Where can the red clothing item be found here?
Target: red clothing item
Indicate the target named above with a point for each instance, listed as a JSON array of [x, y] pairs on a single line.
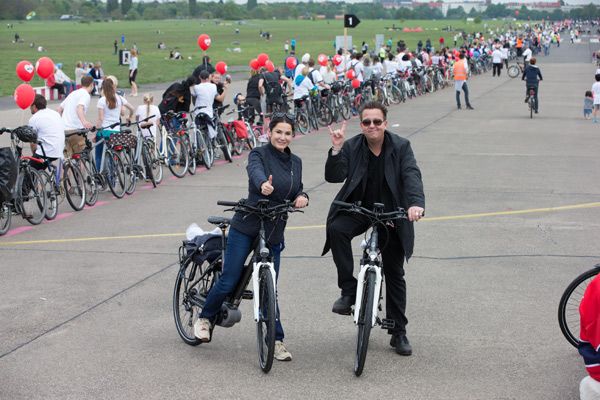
[[51, 81], [589, 336]]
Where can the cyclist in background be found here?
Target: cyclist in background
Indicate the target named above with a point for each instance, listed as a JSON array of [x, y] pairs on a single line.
[[532, 76], [274, 173]]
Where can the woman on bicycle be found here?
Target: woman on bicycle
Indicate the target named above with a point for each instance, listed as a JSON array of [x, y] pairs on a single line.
[[274, 173]]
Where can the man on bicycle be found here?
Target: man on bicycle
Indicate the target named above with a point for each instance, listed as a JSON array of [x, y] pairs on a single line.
[[376, 167], [50, 131], [531, 73]]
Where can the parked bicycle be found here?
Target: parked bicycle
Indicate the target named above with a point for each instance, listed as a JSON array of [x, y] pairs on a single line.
[[568, 307], [370, 278], [200, 268]]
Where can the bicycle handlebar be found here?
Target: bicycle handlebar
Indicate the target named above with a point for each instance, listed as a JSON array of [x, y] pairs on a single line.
[[400, 213], [261, 209]]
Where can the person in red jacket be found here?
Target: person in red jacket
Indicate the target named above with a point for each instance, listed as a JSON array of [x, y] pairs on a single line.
[[589, 340]]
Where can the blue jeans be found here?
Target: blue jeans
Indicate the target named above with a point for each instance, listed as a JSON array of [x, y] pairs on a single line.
[[69, 87], [100, 147], [466, 90], [239, 247]]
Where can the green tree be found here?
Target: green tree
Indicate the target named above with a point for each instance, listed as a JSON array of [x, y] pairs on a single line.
[[132, 15], [456, 13], [111, 5], [477, 20], [251, 5], [125, 6], [193, 8]]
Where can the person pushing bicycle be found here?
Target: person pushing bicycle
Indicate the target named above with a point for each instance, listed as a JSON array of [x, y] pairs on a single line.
[[274, 173], [377, 166]]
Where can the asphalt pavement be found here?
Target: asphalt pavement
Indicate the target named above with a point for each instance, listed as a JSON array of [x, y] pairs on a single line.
[[512, 214]]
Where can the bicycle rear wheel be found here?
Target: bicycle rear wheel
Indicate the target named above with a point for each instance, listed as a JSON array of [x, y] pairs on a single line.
[[51, 196], [157, 169], [33, 199], [513, 71], [224, 143], [117, 180], [568, 307], [148, 164], [364, 323], [530, 102], [265, 327], [302, 122], [178, 159], [128, 164], [89, 178], [74, 187], [193, 281], [5, 218], [192, 163]]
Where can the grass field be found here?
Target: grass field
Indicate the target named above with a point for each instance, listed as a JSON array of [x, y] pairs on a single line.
[[69, 42]]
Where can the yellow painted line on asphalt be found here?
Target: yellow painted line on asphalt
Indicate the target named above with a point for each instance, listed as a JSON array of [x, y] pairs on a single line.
[[549, 209]]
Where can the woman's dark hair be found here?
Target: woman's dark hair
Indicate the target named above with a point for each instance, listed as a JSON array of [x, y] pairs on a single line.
[[286, 118], [587, 94]]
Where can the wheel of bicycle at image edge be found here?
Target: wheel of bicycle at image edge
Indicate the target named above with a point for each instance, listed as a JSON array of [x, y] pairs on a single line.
[[265, 326], [364, 323], [74, 188], [51, 196], [568, 307], [5, 218], [178, 161], [32, 201], [513, 71], [190, 282]]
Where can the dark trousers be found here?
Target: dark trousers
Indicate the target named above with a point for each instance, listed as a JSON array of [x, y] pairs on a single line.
[[497, 69], [342, 230], [465, 89], [255, 103]]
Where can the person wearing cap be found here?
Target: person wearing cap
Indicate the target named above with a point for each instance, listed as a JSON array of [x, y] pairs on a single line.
[[68, 83], [206, 93]]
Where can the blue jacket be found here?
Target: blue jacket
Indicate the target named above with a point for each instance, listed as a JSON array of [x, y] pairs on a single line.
[[286, 169], [532, 72]]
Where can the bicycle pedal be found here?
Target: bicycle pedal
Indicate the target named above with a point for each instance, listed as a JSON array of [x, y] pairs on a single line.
[[248, 295], [388, 324]]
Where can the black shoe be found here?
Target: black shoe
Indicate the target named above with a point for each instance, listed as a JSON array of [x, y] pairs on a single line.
[[401, 344], [343, 305], [470, 108], [459, 107], [536, 111]]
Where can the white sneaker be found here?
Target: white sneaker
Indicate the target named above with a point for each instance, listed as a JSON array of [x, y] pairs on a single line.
[[202, 329], [281, 353]]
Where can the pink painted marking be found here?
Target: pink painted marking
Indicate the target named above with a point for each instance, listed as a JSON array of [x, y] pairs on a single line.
[[62, 216], [98, 204], [18, 230]]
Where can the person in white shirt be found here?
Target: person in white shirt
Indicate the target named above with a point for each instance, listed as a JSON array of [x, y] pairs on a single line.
[[405, 65], [596, 94], [303, 85], [496, 61], [133, 67], [391, 66], [146, 110], [358, 67], [50, 131], [328, 73], [73, 110], [110, 108], [377, 67], [527, 54], [80, 71], [315, 76], [206, 93], [340, 69]]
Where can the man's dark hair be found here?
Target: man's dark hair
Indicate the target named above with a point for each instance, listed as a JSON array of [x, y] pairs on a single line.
[[371, 105], [597, 77], [40, 102], [204, 74], [405, 57], [205, 60], [311, 62], [86, 81]]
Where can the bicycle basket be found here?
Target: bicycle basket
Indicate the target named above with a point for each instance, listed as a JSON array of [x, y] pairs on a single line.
[[26, 134]]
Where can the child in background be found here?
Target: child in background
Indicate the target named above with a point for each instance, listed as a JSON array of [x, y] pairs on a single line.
[[588, 104], [146, 110]]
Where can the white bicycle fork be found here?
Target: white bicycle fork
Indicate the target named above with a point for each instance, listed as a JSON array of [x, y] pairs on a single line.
[[359, 291], [256, 284]]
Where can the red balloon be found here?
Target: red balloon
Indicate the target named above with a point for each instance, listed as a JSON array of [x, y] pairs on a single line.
[[221, 67], [24, 95], [270, 66], [355, 83], [291, 62], [44, 67], [254, 64], [322, 59], [516, 12], [262, 59], [204, 41], [25, 70], [351, 74], [337, 59]]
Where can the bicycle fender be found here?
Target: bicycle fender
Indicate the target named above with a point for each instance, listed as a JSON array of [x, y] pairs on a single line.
[[256, 287]]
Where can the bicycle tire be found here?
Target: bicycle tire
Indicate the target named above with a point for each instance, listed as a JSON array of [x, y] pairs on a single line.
[[192, 155], [117, 181], [206, 149], [74, 188], [265, 327], [5, 218], [346, 109], [33, 205], [513, 71], [51, 196], [188, 284], [568, 307], [530, 102], [364, 323], [302, 123], [178, 161], [128, 164], [251, 138], [224, 144], [92, 189], [148, 164], [396, 95], [157, 169], [325, 117], [428, 84], [238, 144]]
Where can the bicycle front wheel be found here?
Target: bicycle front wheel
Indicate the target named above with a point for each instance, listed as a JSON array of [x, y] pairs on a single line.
[[117, 179], [51, 196], [364, 323], [193, 281], [33, 196], [5, 218], [148, 164], [178, 156], [92, 190], [74, 188], [513, 71], [302, 122], [265, 327], [568, 307]]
